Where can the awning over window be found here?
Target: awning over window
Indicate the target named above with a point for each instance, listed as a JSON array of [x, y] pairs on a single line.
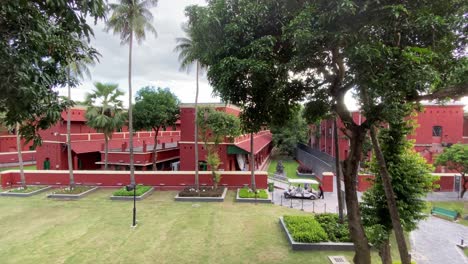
[[260, 142]]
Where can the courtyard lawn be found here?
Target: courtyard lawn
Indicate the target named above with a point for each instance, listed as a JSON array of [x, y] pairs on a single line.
[[290, 168], [97, 230], [459, 206], [29, 167]]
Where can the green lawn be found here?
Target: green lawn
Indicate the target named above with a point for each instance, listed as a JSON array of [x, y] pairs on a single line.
[[459, 206], [290, 168], [29, 167], [97, 230]]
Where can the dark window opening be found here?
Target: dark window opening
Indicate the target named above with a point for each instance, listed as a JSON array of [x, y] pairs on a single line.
[[436, 131]]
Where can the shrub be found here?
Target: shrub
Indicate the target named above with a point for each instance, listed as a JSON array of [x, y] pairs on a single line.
[[248, 193], [304, 169], [336, 232], [140, 190], [305, 229]]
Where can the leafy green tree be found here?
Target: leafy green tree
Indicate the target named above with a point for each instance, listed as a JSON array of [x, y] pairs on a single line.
[[456, 158], [104, 112], [287, 136], [131, 19], [187, 56], [76, 69], [37, 39], [263, 55], [155, 109], [410, 180], [215, 126]]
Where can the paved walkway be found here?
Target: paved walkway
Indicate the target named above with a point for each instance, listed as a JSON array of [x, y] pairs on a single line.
[[435, 242]]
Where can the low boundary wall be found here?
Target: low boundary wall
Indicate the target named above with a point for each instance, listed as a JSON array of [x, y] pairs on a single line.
[[230, 179]]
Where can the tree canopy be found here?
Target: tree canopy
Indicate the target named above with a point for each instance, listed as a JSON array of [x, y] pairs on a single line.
[[268, 55], [155, 109], [286, 136], [38, 39]]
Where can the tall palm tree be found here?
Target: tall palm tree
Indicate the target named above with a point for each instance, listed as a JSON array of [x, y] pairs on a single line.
[[108, 117], [187, 56], [76, 69], [131, 18]]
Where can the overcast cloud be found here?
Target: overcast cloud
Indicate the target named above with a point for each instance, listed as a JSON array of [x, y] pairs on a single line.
[[154, 61]]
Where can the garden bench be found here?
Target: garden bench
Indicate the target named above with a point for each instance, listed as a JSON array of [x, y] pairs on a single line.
[[444, 212]]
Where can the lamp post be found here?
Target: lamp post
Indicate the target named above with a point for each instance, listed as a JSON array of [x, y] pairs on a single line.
[[131, 187]]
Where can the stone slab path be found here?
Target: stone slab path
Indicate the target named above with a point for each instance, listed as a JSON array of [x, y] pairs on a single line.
[[435, 242]]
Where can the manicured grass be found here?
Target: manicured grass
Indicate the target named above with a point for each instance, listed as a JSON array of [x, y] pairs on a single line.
[[290, 167], [247, 193], [97, 230], [459, 206], [30, 167], [140, 190], [27, 190]]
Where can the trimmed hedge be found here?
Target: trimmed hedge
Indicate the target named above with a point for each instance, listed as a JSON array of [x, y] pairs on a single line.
[[336, 232], [140, 190], [305, 229], [247, 193]]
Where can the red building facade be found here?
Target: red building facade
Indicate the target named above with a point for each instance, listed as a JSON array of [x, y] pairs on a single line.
[[233, 153], [437, 126]]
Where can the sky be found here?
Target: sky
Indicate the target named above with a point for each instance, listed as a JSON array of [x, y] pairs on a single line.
[[154, 61]]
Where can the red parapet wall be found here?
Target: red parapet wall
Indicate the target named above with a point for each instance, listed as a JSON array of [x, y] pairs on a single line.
[[327, 181], [12, 157], [365, 182], [119, 178]]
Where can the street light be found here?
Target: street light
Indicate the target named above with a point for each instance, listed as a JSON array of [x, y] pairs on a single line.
[[131, 187]]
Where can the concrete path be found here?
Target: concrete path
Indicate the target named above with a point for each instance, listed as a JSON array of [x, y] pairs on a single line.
[[435, 242]]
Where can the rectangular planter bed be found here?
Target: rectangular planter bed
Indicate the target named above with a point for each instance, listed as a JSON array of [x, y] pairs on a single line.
[[201, 199], [71, 196], [252, 200], [13, 194], [130, 198], [338, 246]]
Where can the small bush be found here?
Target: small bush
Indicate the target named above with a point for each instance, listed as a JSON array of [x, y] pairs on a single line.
[[248, 193], [336, 232], [304, 169], [305, 229], [140, 190], [207, 191]]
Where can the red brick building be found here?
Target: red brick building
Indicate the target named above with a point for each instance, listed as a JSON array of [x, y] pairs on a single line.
[[233, 153], [438, 126]]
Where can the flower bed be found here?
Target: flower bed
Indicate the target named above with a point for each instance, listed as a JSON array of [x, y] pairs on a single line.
[[140, 190], [248, 193], [25, 192], [75, 193], [123, 195], [320, 233], [28, 189], [204, 194]]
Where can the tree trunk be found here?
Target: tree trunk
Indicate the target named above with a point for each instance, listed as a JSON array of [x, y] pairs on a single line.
[[155, 152], [350, 171], [385, 253], [106, 151], [130, 113], [69, 151], [20, 156], [252, 163], [197, 183], [338, 172], [464, 182], [391, 201]]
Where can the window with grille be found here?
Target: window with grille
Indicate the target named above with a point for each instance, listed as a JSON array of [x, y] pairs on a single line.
[[436, 131]]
